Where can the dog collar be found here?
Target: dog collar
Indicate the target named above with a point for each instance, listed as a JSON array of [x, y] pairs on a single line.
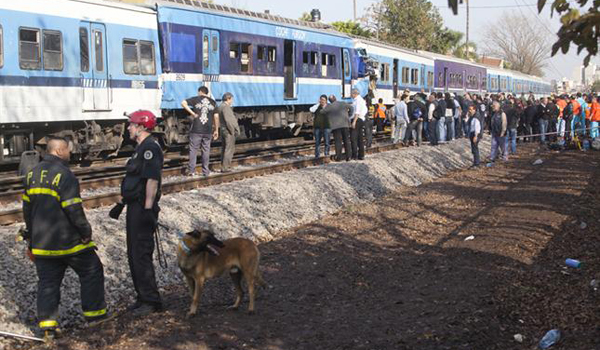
[[184, 246]]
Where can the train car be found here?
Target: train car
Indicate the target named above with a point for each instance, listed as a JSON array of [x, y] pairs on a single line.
[[456, 75], [398, 69], [72, 68], [276, 68]]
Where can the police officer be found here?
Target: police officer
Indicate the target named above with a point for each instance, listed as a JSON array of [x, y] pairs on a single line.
[[140, 190], [60, 236]]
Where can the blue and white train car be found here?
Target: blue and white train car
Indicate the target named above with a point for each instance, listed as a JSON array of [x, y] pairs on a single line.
[[275, 68], [72, 68], [398, 69]]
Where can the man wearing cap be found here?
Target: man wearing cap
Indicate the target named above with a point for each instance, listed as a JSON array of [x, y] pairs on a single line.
[[140, 191]]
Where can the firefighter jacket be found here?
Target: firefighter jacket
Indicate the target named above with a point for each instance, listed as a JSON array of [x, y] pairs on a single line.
[[53, 211], [145, 163]]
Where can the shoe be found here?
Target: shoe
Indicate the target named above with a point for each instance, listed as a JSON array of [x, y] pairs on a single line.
[[103, 319], [52, 334], [135, 305], [146, 309], [226, 171]]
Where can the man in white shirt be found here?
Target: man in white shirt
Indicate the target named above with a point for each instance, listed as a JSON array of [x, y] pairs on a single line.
[[401, 117], [432, 126], [357, 125]]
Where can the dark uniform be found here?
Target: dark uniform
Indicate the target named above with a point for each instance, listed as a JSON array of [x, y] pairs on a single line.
[[56, 226], [146, 163]]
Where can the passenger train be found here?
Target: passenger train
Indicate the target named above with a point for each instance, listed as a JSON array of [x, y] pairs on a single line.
[[73, 68]]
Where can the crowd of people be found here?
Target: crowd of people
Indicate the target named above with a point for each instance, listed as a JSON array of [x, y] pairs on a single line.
[[442, 117]]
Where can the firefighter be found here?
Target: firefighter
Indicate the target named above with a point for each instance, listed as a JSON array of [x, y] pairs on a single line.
[[59, 236], [380, 115], [140, 191]]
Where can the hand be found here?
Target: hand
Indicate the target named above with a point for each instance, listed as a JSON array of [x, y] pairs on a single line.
[[474, 138], [149, 218], [115, 212], [86, 240], [29, 255], [215, 135]]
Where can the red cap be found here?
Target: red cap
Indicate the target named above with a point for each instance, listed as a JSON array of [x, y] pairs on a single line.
[[144, 118]]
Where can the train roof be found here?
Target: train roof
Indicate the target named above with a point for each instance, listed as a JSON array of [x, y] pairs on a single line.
[[205, 6], [451, 58], [389, 46]]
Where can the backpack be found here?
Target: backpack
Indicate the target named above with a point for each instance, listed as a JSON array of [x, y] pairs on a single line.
[[440, 110], [417, 113]]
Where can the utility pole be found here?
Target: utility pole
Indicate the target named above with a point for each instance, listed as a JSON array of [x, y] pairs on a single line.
[[467, 34], [354, 10]]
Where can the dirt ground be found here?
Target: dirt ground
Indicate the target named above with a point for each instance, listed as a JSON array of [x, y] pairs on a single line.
[[398, 273]]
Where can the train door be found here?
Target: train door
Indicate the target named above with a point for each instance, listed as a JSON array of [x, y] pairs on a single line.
[[346, 74], [445, 79], [100, 67], [211, 64], [290, 83], [87, 76], [422, 76], [395, 78]]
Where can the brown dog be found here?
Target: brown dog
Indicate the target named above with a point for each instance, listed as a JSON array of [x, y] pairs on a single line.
[[200, 256]]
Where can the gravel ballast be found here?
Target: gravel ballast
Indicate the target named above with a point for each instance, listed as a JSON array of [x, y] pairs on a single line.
[[256, 208]]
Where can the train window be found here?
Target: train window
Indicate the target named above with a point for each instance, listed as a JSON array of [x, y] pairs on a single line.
[[29, 48], [84, 50], [234, 50], [331, 61], [346, 64], [246, 58], [314, 58], [53, 58], [414, 76], [405, 75], [272, 53], [130, 57], [205, 52], [260, 53], [1, 49], [305, 55], [215, 43], [147, 61], [99, 50], [324, 58], [429, 79]]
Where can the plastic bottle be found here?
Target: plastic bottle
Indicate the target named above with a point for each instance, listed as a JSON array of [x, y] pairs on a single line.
[[552, 337], [573, 263]]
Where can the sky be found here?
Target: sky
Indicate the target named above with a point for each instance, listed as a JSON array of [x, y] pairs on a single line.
[[482, 13]]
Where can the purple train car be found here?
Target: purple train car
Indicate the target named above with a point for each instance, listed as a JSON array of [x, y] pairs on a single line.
[[458, 76]]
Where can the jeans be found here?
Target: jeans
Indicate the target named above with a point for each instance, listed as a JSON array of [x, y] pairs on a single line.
[[594, 131], [528, 132], [357, 135], [449, 128], [432, 129], [415, 130], [441, 130], [340, 135], [543, 130], [498, 141], [202, 142], [475, 150], [578, 124], [426, 130], [560, 127], [399, 131], [318, 134], [512, 139]]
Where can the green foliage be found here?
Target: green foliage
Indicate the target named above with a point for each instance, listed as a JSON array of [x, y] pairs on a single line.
[[414, 24], [305, 17], [461, 51], [351, 27], [583, 30]]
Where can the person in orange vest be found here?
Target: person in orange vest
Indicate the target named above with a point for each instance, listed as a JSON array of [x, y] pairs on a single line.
[[576, 113], [595, 117], [561, 125], [380, 115]]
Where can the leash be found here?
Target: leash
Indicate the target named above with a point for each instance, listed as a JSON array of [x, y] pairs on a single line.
[[162, 260]]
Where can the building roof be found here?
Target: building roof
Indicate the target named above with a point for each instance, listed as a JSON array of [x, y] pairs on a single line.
[[491, 61]]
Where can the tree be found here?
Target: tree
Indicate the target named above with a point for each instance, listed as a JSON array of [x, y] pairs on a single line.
[[582, 30], [519, 41], [306, 17], [447, 41], [414, 24], [351, 27], [467, 53]]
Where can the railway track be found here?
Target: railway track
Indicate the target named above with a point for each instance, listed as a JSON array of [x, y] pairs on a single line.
[[114, 178]]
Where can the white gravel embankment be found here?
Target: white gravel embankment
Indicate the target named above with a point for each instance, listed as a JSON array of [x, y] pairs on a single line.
[[255, 208]]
